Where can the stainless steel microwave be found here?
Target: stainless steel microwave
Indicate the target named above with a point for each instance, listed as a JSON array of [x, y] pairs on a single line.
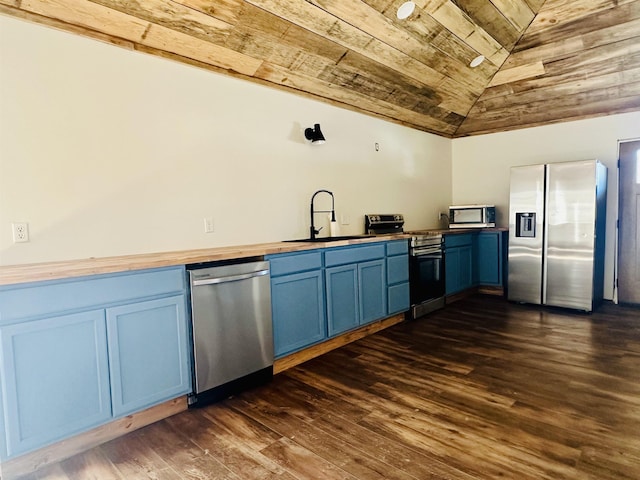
[[472, 216]]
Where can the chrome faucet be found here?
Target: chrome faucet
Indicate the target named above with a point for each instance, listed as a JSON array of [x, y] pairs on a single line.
[[312, 230]]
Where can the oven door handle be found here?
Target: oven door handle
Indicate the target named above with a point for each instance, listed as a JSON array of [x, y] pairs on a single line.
[[421, 252]]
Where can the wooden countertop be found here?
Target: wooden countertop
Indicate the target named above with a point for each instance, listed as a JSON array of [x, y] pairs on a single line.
[[12, 274], [33, 272]]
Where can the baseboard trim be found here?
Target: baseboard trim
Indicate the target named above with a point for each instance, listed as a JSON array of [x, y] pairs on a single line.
[[302, 356], [32, 461], [482, 289]]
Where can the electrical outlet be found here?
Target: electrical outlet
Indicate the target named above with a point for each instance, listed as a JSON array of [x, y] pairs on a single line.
[[345, 219], [208, 225], [20, 232]]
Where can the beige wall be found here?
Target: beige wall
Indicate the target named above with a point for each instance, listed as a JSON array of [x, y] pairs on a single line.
[[481, 164], [104, 151]]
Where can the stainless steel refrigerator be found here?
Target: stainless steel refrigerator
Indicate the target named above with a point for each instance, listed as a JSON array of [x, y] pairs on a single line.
[[556, 234]]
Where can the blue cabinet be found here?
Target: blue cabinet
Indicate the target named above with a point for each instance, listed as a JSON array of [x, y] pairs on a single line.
[[55, 379], [322, 293], [297, 301], [147, 347], [488, 256], [372, 290], [473, 259], [458, 262], [77, 353], [342, 298], [397, 277], [356, 286]]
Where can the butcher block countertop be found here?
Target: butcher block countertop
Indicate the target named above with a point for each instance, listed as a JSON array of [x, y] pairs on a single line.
[[33, 272], [12, 274]]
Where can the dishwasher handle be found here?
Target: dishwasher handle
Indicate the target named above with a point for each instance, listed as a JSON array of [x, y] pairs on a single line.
[[229, 278]]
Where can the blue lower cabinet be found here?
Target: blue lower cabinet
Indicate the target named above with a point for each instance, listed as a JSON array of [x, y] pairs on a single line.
[[148, 352], [55, 379], [76, 353], [297, 307], [473, 259], [488, 258], [372, 293], [398, 300], [342, 298], [458, 269]]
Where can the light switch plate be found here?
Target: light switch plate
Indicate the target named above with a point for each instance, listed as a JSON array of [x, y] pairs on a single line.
[[208, 225]]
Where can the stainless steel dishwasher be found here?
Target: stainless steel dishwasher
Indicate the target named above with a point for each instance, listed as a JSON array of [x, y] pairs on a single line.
[[231, 329]]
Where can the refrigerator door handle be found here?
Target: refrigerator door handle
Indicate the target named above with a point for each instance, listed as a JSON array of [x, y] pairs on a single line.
[[545, 235]]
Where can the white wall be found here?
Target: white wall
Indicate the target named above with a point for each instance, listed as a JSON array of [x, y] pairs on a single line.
[[481, 164], [105, 151]]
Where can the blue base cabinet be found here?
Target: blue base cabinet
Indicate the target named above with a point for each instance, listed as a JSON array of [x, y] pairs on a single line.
[[356, 286], [55, 378], [398, 277], [372, 291], [489, 256], [297, 301], [458, 262], [342, 298], [322, 293], [77, 353], [297, 304], [473, 259], [147, 372]]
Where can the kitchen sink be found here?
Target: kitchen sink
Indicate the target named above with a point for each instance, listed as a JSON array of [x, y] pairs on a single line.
[[330, 239]]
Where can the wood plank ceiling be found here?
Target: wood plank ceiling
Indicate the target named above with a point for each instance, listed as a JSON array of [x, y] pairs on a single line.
[[545, 62]]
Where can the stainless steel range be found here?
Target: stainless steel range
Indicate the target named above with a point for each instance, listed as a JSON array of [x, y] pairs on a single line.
[[383, 223], [426, 262], [426, 274]]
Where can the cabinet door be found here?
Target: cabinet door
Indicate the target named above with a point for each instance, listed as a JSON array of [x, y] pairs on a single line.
[[398, 298], [458, 269], [55, 378], [297, 307], [342, 298], [452, 270], [148, 353], [466, 267], [488, 259], [372, 293]]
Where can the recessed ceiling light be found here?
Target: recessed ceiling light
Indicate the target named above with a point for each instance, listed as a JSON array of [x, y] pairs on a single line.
[[476, 61], [405, 10]]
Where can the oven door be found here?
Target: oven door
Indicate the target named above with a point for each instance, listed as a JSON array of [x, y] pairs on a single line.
[[426, 275]]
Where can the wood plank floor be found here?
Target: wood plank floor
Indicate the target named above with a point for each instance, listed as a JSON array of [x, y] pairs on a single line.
[[483, 389]]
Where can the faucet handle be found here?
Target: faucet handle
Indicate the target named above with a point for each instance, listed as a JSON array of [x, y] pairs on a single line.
[[317, 230]]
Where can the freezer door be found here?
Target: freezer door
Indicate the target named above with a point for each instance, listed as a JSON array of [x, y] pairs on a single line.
[[570, 235], [526, 210]]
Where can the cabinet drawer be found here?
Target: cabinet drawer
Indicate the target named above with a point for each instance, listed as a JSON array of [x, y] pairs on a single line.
[[397, 269], [458, 240], [27, 301], [293, 263], [398, 247], [341, 256]]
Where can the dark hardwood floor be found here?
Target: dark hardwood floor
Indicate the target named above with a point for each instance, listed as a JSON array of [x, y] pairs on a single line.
[[483, 389]]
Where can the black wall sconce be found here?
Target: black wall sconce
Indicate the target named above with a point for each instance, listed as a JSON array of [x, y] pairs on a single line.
[[314, 134]]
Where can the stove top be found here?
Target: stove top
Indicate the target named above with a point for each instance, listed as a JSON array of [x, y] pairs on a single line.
[[383, 223]]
